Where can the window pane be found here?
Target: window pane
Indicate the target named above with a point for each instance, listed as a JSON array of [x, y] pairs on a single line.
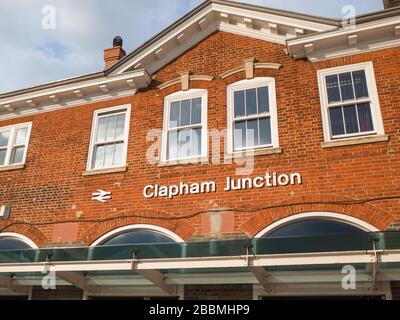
[[185, 113], [365, 117], [195, 142], [332, 87], [184, 143], [240, 134], [265, 131], [350, 118], [119, 152], [196, 111], [2, 157], [346, 86], [21, 136], [239, 104], [174, 114], [109, 157], [111, 125], [119, 133], [4, 136], [173, 145], [17, 155], [263, 100], [360, 84], [99, 157], [101, 129], [252, 133], [251, 102], [336, 118]]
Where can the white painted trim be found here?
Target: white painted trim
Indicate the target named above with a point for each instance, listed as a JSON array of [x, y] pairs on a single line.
[[317, 215], [66, 105], [251, 33], [220, 262], [373, 97], [346, 51], [149, 227], [18, 236], [11, 143], [179, 96], [96, 115], [341, 32], [78, 85], [216, 24], [250, 84], [271, 18]]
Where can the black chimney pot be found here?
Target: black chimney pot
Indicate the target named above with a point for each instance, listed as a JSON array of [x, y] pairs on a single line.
[[117, 42]]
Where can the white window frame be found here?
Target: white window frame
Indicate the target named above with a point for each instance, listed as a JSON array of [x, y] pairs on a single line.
[[179, 96], [373, 99], [273, 115], [13, 131], [95, 122]]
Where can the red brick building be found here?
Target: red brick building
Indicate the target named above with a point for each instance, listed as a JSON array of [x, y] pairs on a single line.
[[245, 152]]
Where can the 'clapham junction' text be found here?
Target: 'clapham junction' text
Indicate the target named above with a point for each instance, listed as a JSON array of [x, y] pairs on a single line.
[[269, 180]]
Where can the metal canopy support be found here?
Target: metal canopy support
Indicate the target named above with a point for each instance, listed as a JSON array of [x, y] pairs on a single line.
[[74, 278], [8, 283], [263, 277], [159, 280]]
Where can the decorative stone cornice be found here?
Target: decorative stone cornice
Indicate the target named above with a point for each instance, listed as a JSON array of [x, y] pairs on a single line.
[[71, 92]]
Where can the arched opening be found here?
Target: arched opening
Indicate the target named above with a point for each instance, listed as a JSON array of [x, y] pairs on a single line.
[[315, 232], [137, 234], [144, 242], [313, 227], [14, 241], [315, 223]]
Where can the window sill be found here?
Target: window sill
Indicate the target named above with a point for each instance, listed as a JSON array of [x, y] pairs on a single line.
[[253, 153], [354, 141], [105, 171], [12, 167], [196, 160]]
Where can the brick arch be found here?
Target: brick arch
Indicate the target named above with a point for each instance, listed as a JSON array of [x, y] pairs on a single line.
[[31, 232], [96, 230], [366, 212]]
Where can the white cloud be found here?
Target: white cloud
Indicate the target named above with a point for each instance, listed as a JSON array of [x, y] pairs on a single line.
[[31, 55]]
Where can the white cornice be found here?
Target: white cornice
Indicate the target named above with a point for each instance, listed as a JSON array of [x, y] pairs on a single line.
[[61, 96], [273, 18], [224, 17], [348, 31], [369, 36], [345, 51]]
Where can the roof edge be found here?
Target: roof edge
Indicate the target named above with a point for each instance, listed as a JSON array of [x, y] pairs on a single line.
[[205, 4]]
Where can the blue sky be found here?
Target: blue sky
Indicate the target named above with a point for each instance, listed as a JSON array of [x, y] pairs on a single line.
[[32, 55]]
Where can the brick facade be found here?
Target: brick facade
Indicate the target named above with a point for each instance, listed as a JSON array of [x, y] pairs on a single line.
[[52, 189]]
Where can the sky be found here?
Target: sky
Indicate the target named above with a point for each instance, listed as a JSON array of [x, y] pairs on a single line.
[[47, 40]]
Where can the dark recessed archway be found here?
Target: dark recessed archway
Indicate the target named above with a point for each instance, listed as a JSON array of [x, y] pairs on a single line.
[[313, 227]]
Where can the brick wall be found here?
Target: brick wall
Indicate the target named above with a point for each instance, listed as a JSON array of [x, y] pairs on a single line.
[[52, 188]]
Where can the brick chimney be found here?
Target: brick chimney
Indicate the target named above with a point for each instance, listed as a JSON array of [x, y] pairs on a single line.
[[112, 55], [387, 4]]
